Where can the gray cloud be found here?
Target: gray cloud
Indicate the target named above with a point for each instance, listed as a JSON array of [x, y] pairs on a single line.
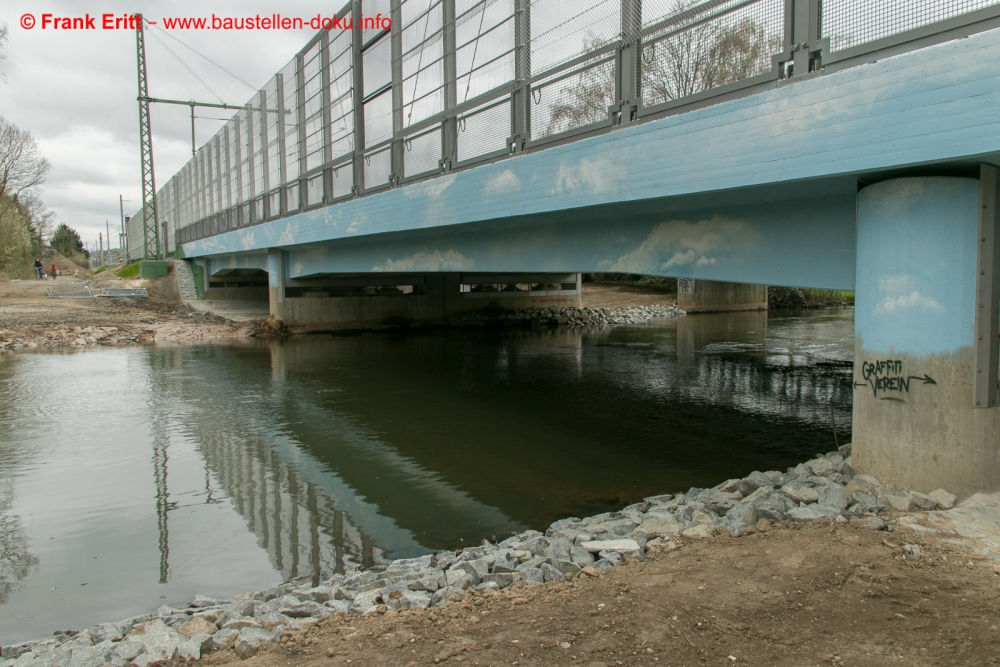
[[76, 91]]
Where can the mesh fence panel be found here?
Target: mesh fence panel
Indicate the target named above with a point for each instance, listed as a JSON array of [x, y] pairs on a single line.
[[849, 23], [572, 102], [343, 181], [564, 29], [314, 190], [483, 131], [422, 60], [484, 47], [692, 47], [378, 167], [422, 153], [341, 95], [378, 119]]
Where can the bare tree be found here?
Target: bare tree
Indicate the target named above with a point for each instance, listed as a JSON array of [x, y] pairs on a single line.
[[701, 57], [705, 56], [3, 56], [22, 168]]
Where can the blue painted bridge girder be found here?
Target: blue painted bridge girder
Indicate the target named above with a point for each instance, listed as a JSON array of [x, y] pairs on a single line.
[[761, 189]]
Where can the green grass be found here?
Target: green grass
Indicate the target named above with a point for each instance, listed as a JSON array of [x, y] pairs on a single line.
[[94, 273], [128, 271]]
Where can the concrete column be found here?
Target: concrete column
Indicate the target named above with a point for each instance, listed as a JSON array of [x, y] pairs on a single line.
[[276, 283], [915, 423], [710, 296]]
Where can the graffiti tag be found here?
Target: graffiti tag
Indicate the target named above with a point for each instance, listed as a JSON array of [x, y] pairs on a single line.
[[887, 379]]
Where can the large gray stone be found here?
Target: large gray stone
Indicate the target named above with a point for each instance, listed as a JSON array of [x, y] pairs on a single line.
[[800, 493], [407, 599], [740, 517], [249, 641], [550, 573], [621, 546], [820, 467], [531, 575], [833, 496], [719, 502], [659, 526], [129, 649], [754, 481], [224, 639], [944, 499], [189, 650], [160, 645], [923, 501], [807, 513], [89, 657]]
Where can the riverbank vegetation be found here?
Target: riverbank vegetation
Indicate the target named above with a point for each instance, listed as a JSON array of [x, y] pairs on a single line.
[[23, 217]]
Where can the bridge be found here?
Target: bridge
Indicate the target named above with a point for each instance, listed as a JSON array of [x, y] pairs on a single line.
[[488, 152]]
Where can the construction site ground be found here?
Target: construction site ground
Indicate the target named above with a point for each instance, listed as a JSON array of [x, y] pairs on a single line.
[[819, 593]]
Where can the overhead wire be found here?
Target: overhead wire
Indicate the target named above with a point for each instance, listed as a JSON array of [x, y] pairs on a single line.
[[191, 48], [185, 66]]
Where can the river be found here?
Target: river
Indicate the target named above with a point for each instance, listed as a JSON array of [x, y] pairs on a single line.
[[138, 476]]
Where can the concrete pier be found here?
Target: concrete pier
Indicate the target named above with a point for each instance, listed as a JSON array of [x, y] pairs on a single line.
[[712, 296], [916, 423]]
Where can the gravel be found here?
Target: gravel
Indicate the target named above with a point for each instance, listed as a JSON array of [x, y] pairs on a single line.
[[824, 488]]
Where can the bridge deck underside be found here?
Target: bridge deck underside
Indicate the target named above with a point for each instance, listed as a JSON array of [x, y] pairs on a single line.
[[760, 189]]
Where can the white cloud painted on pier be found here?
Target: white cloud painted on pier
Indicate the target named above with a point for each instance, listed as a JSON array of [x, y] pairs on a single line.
[[424, 261], [679, 243], [900, 292]]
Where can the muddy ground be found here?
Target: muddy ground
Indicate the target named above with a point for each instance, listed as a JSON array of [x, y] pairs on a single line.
[[794, 594], [29, 318]]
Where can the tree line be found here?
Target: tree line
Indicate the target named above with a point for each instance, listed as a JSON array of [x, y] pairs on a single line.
[[24, 221]]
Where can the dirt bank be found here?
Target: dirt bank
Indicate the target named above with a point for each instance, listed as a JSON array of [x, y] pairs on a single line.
[[30, 319], [796, 594]]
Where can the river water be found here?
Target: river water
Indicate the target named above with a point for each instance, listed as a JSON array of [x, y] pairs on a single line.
[[135, 477]]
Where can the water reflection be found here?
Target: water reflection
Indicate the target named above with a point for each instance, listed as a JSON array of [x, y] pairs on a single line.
[[217, 470]]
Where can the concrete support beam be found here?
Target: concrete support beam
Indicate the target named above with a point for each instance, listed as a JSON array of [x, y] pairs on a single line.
[[915, 420], [710, 296]]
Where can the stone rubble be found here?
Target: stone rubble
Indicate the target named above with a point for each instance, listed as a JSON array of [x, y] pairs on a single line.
[[824, 488], [66, 336], [574, 317]]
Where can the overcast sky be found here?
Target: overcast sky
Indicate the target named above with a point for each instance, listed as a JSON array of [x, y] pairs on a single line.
[[76, 91]]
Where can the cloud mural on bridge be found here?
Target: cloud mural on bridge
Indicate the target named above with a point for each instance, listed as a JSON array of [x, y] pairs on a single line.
[[594, 177], [503, 184], [678, 246], [902, 292], [448, 260], [431, 189], [248, 241], [287, 237]]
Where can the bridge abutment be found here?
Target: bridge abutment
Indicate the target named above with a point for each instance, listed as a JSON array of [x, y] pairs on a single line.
[[915, 419], [713, 296]]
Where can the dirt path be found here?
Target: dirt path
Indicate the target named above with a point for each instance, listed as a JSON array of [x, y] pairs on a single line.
[[611, 295], [796, 594]]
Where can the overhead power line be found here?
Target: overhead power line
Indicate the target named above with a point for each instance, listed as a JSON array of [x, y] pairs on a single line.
[[185, 66], [191, 48]]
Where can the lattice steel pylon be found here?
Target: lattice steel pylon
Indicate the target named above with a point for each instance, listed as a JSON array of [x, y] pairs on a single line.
[[150, 221]]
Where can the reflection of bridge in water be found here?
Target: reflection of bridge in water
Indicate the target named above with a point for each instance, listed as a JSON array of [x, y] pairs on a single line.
[[295, 522], [339, 452]]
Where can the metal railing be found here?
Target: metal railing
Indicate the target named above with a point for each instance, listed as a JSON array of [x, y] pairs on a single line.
[[455, 83]]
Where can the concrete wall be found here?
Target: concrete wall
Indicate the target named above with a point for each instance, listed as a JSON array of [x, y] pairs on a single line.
[[914, 420], [709, 296]]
